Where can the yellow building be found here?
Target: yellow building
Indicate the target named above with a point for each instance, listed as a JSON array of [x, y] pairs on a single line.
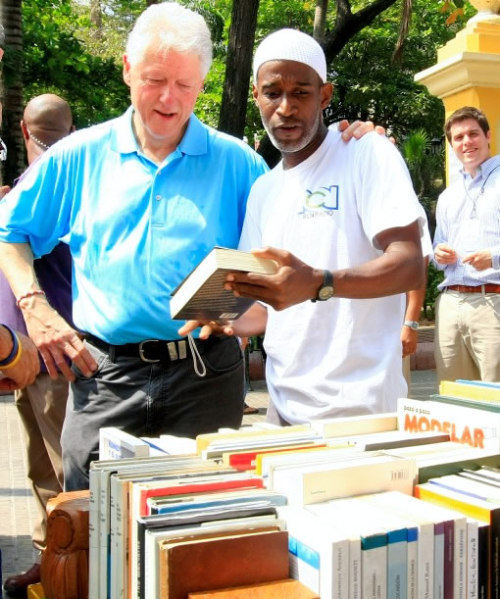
[[468, 69]]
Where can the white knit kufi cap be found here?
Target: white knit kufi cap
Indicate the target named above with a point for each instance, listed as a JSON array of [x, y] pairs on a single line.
[[290, 44]]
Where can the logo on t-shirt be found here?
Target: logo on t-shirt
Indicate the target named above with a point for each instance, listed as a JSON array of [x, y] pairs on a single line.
[[323, 201]]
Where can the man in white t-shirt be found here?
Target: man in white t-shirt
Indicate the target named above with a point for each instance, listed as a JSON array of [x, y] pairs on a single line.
[[349, 225]]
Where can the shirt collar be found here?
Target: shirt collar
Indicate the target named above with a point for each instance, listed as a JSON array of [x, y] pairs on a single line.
[[194, 141], [483, 170]]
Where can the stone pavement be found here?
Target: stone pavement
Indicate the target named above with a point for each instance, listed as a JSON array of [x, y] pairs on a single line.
[[17, 507]]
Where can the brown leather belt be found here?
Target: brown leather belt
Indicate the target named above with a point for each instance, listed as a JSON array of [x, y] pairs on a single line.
[[489, 288]]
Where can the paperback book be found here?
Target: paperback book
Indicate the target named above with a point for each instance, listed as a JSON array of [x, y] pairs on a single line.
[[202, 295]]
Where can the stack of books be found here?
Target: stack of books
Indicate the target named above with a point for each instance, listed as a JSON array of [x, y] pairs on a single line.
[[340, 506], [146, 513], [476, 495]]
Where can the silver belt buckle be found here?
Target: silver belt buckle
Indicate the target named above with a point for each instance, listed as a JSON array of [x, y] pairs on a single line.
[[141, 350]]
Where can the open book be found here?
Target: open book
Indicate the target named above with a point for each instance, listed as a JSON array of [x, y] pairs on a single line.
[[202, 295]]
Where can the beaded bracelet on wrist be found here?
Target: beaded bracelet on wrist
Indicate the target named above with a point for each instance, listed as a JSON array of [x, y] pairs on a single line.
[[29, 294]]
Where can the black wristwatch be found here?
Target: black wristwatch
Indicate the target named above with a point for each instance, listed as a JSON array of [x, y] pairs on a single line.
[[326, 291]]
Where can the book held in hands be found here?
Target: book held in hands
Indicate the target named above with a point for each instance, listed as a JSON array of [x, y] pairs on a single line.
[[201, 296]]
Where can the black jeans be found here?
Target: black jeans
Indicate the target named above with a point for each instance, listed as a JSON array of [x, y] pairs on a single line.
[[150, 399]]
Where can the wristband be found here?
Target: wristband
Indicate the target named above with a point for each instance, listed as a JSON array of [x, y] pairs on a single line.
[[29, 294], [413, 324], [15, 352]]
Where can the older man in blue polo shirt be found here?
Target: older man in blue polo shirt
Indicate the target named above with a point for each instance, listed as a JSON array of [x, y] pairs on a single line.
[[140, 200]]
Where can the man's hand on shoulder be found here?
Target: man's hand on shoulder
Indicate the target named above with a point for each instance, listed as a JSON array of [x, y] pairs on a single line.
[[357, 129]]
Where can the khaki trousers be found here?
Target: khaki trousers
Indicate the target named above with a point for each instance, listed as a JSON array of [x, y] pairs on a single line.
[[467, 337], [42, 407]]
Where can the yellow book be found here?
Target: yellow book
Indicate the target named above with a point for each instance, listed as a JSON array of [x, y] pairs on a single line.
[[35, 591], [204, 440], [261, 458], [473, 507], [471, 390]]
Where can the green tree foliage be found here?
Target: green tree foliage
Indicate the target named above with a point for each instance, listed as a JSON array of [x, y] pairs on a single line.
[[64, 53], [371, 84], [56, 60]]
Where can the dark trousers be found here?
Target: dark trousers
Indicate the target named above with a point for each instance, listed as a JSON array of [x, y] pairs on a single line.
[[149, 399]]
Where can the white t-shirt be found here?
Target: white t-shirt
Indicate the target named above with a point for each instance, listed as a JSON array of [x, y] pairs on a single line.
[[343, 356]]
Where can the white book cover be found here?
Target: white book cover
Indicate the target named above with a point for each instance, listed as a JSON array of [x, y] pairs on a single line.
[[397, 548], [473, 427], [309, 532], [355, 425], [373, 541], [171, 445], [117, 444], [367, 474], [411, 539], [414, 510], [460, 559], [472, 559], [94, 532], [272, 461]]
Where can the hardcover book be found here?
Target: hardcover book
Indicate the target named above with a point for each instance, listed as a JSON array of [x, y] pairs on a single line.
[[202, 295], [289, 588], [195, 565], [230, 521]]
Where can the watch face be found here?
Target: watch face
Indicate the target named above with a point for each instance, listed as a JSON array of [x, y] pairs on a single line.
[[325, 293]]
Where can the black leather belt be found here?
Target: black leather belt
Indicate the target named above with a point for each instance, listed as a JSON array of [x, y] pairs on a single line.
[[149, 350]]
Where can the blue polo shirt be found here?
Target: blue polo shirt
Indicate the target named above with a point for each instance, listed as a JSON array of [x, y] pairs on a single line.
[[135, 229]]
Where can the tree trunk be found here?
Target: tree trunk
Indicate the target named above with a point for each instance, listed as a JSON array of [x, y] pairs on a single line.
[[13, 97], [238, 67], [347, 23], [320, 20], [96, 19]]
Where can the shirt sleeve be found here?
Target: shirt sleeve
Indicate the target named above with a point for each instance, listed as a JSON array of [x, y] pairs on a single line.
[[251, 234], [439, 233], [385, 198], [36, 211]]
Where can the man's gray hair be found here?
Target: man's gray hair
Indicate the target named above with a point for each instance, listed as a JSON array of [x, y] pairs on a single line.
[[2, 36], [168, 26]]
